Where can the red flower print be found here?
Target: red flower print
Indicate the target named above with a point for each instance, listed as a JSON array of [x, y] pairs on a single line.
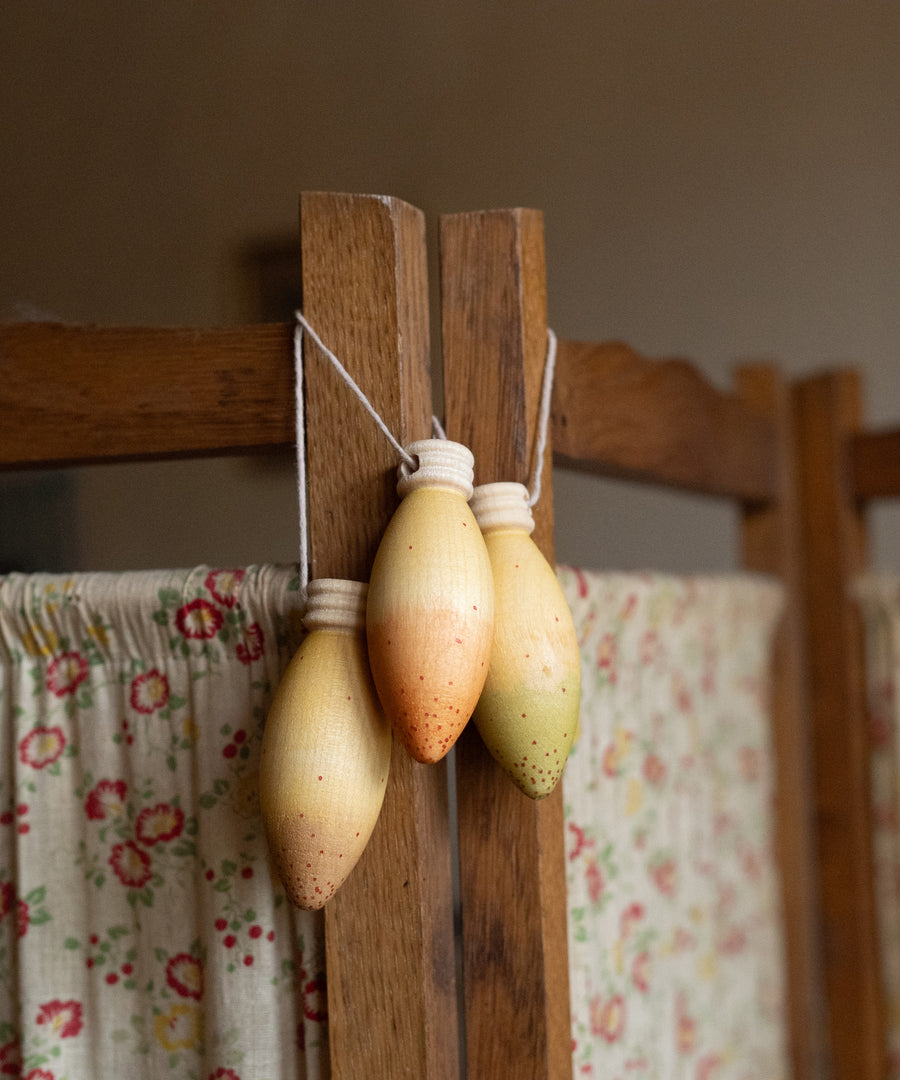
[[640, 971], [595, 881], [198, 619], [649, 643], [251, 648], [159, 823], [40, 1074], [686, 1029], [132, 866], [750, 763], [184, 973], [607, 649], [733, 942], [41, 747], [654, 769], [881, 730], [224, 1074], [11, 1058], [663, 873], [608, 1017], [610, 760], [580, 841], [631, 915], [24, 918], [223, 584], [314, 1000], [65, 672], [708, 1067], [149, 691], [64, 1017], [7, 898], [105, 800]]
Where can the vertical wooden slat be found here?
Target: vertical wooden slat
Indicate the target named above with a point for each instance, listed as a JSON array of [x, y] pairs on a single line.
[[827, 414], [389, 933], [771, 544], [512, 863]]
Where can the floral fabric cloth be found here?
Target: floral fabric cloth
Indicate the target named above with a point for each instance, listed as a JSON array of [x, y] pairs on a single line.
[[879, 598], [675, 946], [141, 934]]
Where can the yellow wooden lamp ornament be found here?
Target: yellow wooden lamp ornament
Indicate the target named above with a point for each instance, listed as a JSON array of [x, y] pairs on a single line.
[[430, 612], [326, 749], [528, 711]]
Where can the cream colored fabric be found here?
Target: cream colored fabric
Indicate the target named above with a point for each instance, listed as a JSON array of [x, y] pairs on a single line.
[[674, 908], [879, 598], [140, 932]]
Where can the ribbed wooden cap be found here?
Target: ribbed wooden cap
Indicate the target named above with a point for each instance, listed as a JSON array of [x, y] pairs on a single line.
[[503, 505], [335, 604], [442, 464]]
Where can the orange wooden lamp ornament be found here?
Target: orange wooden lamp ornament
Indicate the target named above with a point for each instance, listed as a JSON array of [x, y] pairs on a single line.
[[527, 714], [326, 749], [430, 612]]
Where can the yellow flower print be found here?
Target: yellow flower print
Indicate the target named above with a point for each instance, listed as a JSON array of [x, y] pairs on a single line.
[[191, 729], [635, 797], [38, 641], [707, 966], [99, 634], [179, 1028]]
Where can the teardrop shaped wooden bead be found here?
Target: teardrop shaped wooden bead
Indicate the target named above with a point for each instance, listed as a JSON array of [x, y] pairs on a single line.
[[429, 619], [325, 751], [528, 711]]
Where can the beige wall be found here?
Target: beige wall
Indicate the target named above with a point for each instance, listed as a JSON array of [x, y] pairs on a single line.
[[719, 180]]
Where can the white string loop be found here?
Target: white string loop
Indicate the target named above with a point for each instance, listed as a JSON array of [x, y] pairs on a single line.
[[302, 324], [301, 459], [543, 421], [345, 375]]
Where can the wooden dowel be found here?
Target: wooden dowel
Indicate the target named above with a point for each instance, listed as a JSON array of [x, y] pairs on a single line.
[[771, 545], [81, 394], [827, 415], [875, 464], [389, 929], [512, 864]]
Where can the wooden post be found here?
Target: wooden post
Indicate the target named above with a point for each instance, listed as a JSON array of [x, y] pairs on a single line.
[[389, 930], [827, 414], [771, 544], [512, 863]]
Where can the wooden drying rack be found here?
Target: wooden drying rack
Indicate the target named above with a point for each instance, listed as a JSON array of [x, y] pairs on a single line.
[[73, 395]]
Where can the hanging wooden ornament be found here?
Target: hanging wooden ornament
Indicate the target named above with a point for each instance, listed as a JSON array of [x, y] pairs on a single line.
[[528, 711], [326, 749], [429, 619]]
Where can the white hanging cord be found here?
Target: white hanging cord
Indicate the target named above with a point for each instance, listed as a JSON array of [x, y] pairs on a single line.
[[543, 418], [301, 459], [408, 459], [436, 430]]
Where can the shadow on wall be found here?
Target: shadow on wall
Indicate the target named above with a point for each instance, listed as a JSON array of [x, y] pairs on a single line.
[[36, 515]]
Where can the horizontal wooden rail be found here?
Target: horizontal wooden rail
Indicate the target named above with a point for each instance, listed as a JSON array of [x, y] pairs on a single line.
[[875, 464], [78, 394], [618, 414]]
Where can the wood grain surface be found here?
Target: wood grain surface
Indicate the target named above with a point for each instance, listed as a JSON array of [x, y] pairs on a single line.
[[389, 930], [827, 416], [511, 849], [660, 421], [875, 462], [76, 394], [771, 540]]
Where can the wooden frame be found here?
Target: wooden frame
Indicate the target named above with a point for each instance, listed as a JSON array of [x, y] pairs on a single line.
[[70, 395], [619, 414], [841, 469]]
